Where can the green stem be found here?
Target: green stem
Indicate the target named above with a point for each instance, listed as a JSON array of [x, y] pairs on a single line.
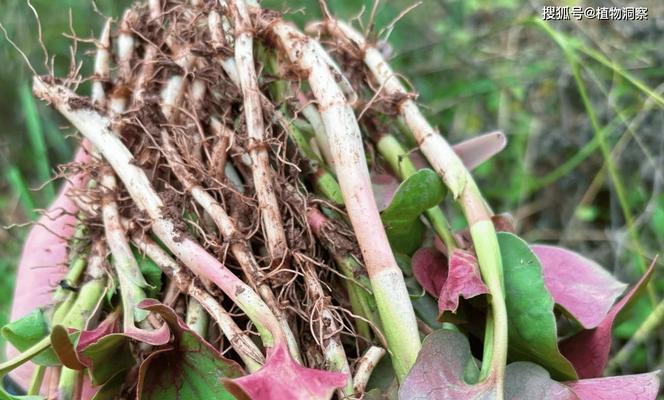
[[485, 240], [487, 354], [37, 379], [361, 300], [89, 296], [70, 379], [24, 357]]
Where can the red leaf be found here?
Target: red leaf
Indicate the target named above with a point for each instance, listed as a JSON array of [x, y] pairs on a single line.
[[283, 378], [463, 280], [629, 387], [581, 286], [588, 350], [430, 269]]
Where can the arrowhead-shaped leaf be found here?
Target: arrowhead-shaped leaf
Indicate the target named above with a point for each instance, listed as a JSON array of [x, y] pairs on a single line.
[[579, 285], [445, 361], [190, 368], [632, 387], [401, 218], [531, 322], [283, 378], [589, 350]]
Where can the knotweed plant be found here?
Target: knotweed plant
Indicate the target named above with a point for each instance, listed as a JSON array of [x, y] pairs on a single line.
[[247, 217]]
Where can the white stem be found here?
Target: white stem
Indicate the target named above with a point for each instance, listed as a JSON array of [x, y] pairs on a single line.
[[124, 263], [345, 139], [365, 367], [457, 178], [102, 66], [95, 127], [333, 349], [126, 45], [227, 228], [313, 116], [258, 148]]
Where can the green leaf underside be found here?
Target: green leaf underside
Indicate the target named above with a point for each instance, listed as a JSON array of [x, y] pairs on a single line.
[[28, 331], [531, 321], [112, 388], [151, 273], [401, 218], [110, 356]]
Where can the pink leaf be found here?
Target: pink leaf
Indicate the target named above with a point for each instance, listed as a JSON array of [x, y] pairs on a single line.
[[588, 350], [44, 258], [384, 186], [477, 150], [581, 286], [283, 378], [629, 387], [463, 280], [430, 269]]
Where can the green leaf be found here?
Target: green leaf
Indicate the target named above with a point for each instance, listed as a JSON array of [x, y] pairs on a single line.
[[425, 306], [151, 272], [109, 356], [401, 218], [28, 331], [188, 369], [112, 388], [531, 322]]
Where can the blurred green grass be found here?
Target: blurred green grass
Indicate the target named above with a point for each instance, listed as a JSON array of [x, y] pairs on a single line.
[[478, 67]]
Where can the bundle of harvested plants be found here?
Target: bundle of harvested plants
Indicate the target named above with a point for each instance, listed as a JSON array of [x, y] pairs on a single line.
[[255, 212]]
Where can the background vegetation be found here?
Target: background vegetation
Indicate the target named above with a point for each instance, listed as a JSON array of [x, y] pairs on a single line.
[[565, 96]]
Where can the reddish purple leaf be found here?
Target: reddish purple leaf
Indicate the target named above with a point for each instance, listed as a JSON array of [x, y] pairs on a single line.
[[463, 280], [588, 350], [629, 387], [477, 150], [384, 186], [430, 269], [579, 285], [283, 378]]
